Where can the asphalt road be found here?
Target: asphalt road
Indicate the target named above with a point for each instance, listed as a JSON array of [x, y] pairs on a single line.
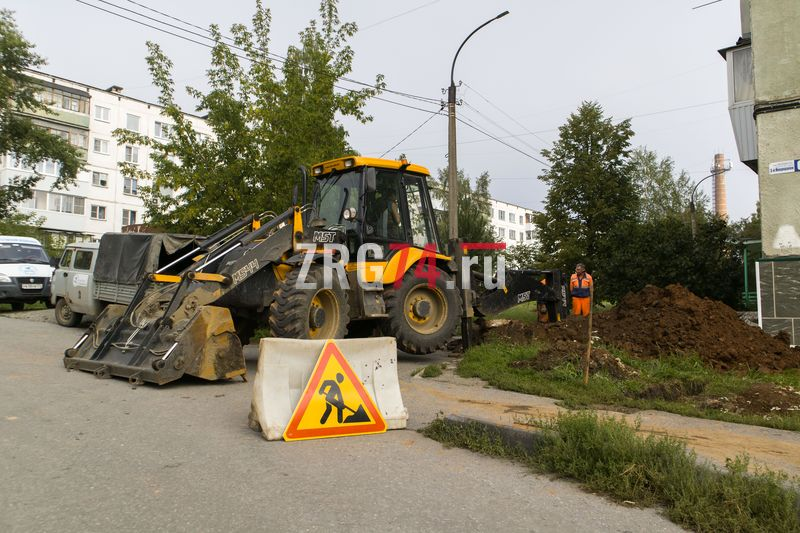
[[82, 454]]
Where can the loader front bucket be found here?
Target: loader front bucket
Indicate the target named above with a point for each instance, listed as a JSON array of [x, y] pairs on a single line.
[[205, 346]]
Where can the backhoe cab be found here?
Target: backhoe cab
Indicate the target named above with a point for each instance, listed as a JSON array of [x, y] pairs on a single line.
[[370, 220]]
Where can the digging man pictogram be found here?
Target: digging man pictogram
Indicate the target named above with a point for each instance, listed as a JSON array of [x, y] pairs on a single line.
[[333, 398]]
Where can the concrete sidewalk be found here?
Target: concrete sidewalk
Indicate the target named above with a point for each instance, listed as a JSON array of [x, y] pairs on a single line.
[[710, 439]]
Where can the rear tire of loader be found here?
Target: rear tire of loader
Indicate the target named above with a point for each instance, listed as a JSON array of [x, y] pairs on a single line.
[[422, 315], [317, 313]]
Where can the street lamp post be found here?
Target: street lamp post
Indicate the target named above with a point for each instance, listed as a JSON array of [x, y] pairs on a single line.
[[452, 187], [714, 172]]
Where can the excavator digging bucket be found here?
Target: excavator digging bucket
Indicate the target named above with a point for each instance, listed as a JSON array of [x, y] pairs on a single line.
[[205, 346]]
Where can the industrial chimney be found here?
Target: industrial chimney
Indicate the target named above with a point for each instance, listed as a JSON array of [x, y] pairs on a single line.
[[720, 192]]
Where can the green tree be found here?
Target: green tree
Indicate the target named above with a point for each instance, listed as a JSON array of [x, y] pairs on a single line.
[[590, 189], [474, 207], [661, 251], [661, 192], [19, 136], [522, 255], [267, 120]]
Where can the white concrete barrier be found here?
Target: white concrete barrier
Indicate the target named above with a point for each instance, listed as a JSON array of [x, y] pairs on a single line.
[[286, 365]]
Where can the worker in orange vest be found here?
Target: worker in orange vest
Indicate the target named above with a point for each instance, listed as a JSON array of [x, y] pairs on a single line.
[[580, 284]]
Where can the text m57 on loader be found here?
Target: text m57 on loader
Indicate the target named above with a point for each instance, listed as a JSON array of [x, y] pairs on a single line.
[[252, 273]]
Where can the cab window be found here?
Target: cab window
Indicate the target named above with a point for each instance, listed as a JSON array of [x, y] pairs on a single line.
[[384, 221], [83, 260], [66, 259], [419, 223]]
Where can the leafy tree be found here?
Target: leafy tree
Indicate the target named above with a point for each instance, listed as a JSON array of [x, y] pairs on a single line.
[[662, 193], [590, 189], [749, 227], [522, 255], [31, 144], [474, 207], [267, 120], [662, 251]]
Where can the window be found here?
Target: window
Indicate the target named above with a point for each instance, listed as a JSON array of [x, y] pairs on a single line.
[[37, 201], [512, 234], [101, 113], [83, 260], [512, 218], [97, 212], [529, 218], [132, 154], [66, 259], [529, 235], [132, 122], [64, 99], [79, 139], [502, 233], [383, 218], [743, 90], [65, 203], [161, 130], [99, 179], [131, 186], [100, 146], [48, 167], [501, 214], [421, 232], [128, 217]]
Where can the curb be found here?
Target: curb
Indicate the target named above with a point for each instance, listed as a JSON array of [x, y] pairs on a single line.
[[527, 439]]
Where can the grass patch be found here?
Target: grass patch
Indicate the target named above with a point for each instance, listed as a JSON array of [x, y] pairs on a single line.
[[608, 456], [492, 363], [431, 371]]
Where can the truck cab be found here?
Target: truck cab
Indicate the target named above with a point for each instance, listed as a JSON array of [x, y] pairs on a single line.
[[25, 272], [73, 284]]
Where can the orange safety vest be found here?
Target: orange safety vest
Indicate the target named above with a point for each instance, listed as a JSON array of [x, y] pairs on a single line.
[[579, 287]]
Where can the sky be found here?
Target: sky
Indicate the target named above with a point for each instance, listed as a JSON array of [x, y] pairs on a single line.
[[654, 61]]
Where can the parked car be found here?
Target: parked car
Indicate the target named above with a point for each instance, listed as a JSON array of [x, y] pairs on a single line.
[[93, 275], [25, 272], [73, 284]]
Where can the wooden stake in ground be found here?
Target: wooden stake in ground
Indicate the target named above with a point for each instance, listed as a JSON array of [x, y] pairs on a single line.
[[589, 342]]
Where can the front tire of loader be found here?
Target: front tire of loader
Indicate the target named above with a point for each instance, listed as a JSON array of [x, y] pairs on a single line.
[[317, 313], [423, 313]]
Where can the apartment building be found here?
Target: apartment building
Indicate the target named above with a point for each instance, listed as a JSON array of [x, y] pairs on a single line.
[[513, 224], [764, 104], [101, 200]]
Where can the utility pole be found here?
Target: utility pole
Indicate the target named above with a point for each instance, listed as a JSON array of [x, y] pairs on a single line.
[[452, 194]]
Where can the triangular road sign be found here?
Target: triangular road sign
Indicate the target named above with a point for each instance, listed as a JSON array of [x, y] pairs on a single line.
[[334, 402]]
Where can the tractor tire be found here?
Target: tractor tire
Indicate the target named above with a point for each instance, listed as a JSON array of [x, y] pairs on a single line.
[[317, 313], [65, 316], [423, 313]]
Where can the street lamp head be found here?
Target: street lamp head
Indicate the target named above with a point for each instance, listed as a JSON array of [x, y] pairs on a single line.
[[501, 15]]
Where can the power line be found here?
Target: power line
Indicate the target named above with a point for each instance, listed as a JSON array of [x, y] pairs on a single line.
[[502, 142], [492, 121], [517, 122], [415, 130], [398, 15], [207, 45], [707, 4], [276, 57]]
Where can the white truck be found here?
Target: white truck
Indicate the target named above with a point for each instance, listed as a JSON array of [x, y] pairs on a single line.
[[25, 272], [93, 275]]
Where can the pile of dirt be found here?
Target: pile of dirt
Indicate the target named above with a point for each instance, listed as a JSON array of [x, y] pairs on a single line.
[[672, 320]]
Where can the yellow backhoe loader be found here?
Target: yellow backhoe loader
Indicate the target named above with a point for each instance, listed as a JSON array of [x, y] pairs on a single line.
[[362, 256]]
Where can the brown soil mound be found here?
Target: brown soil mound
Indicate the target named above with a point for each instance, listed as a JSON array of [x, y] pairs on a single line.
[[672, 320]]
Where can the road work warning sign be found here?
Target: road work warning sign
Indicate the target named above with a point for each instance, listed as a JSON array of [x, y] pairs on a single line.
[[334, 402]]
